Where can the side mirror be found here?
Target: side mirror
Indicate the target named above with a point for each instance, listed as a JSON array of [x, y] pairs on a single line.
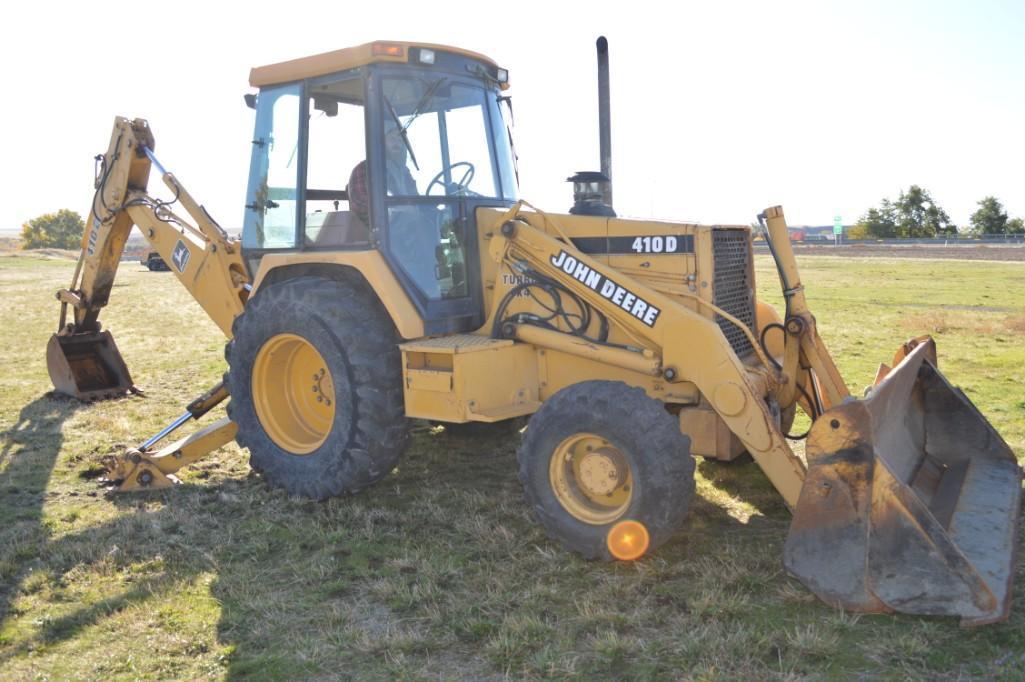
[[250, 99]]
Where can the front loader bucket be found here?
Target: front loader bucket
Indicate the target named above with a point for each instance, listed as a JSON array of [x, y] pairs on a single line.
[[87, 366], [910, 504]]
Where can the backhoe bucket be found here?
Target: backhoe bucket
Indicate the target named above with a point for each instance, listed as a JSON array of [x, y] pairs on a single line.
[[87, 366], [910, 504]]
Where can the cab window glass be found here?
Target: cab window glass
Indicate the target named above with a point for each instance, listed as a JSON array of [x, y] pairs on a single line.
[[468, 144], [337, 214], [429, 242], [441, 135], [271, 199], [504, 155]]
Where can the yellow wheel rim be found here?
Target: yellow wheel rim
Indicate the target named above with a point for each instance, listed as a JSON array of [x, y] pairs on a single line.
[[591, 478], [293, 393]]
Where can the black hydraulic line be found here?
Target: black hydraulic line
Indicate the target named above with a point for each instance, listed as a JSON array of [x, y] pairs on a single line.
[[761, 340]]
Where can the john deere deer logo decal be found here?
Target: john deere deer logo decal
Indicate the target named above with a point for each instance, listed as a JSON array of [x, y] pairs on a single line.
[[180, 257]]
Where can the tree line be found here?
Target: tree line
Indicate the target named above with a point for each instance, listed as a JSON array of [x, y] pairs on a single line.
[[915, 214]]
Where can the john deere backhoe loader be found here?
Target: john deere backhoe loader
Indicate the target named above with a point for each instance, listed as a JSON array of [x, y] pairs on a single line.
[[388, 270]]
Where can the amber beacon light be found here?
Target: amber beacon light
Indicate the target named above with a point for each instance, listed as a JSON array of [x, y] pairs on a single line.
[[628, 540]]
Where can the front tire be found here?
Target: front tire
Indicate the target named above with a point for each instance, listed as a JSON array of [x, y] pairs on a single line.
[[316, 387], [601, 452]]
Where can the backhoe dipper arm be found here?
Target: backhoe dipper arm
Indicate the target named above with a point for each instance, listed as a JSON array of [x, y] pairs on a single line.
[[692, 347], [204, 258], [83, 361]]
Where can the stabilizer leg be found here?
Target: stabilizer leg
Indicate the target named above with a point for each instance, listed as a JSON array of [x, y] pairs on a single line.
[[138, 469]]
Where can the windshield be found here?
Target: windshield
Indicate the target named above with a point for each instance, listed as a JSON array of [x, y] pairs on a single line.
[[438, 139]]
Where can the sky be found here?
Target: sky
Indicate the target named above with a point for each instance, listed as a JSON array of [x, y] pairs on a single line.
[[719, 110]]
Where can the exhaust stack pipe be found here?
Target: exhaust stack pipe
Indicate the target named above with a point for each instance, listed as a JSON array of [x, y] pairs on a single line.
[[604, 119]]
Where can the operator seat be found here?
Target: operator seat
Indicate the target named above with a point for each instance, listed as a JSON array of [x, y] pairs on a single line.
[[342, 228]]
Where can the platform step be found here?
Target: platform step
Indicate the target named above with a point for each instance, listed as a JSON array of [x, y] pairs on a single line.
[[457, 343]]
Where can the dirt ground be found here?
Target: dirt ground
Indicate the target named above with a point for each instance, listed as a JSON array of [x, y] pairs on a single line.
[[1001, 252]]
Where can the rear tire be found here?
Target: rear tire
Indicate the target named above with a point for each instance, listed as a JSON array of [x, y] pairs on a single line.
[[632, 440], [300, 445]]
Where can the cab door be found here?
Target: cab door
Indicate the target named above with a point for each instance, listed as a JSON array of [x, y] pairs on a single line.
[[437, 161]]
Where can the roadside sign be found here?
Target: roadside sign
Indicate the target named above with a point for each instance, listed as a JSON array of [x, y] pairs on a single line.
[[837, 226]]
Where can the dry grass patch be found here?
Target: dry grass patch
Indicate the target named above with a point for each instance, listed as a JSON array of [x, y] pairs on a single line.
[[945, 322], [1015, 323], [15, 251]]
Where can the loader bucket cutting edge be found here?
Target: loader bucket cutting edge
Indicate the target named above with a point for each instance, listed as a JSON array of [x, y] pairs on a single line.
[[911, 503], [87, 366]]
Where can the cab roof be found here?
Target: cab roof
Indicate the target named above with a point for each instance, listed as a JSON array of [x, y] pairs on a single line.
[[349, 58]]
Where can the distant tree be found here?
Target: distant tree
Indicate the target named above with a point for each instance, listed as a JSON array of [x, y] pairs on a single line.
[[991, 218], [877, 223], [914, 214], [919, 216], [60, 230], [857, 231]]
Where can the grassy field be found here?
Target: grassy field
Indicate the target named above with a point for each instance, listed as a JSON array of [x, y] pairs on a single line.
[[438, 571]]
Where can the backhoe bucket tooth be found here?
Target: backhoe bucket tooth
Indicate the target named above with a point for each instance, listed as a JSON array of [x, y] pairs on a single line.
[[87, 366], [911, 502]]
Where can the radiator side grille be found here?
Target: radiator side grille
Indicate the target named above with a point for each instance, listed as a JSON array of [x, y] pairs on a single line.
[[734, 288]]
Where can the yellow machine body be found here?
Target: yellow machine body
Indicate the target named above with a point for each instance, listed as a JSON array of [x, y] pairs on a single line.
[[906, 500]]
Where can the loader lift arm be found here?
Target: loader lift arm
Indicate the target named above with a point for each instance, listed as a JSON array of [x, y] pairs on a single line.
[[736, 390], [82, 358]]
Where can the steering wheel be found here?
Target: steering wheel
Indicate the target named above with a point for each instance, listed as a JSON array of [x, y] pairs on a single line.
[[455, 187]]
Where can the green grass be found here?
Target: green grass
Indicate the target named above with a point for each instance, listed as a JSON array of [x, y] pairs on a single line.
[[439, 571]]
